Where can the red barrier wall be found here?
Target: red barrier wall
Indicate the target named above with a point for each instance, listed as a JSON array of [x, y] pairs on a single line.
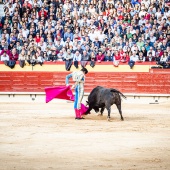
[[156, 81]]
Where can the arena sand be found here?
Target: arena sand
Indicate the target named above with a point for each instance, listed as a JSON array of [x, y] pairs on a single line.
[[39, 136]]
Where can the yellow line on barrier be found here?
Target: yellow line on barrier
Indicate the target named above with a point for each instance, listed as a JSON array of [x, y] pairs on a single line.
[[97, 68]]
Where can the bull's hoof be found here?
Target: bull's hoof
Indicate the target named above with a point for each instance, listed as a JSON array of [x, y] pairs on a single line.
[[108, 119], [99, 114], [122, 119]]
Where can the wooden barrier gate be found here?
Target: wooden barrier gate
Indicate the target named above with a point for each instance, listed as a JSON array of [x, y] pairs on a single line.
[[156, 81]]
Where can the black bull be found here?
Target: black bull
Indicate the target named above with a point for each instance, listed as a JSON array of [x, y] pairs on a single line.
[[101, 97]]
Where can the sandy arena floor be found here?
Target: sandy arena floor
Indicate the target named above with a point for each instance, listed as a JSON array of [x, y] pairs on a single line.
[[43, 136]]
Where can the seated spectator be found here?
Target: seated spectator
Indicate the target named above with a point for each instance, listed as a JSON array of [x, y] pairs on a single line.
[[14, 55], [97, 42], [149, 42], [2, 44], [132, 60], [164, 45], [18, 47], [125, 58], [40, 59], [126, 46], [37, 38], [84, 59], [134, 2], [76, 58], [140, 43], [134, 48], [116, 59], [45, 56], [92, 59], [53, 56], [150, 55], [33, 60], [164, 60], [100, 57], [22, 58], [11, 45], [58, 45], [152, 38], [68, 34], [60, 56], [27, 5], [109, 56], [147, 46], [144, 52], [141, 57], [68, 60], [4, 57]]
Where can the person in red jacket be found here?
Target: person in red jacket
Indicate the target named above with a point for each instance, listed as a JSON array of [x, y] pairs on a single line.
[[37, 37], [100, 57], [8, 52], [125, 58], [117, 59], [14, 55], [42, 12], [27, 5]]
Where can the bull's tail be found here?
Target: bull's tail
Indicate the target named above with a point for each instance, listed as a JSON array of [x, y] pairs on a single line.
[[117, 91]]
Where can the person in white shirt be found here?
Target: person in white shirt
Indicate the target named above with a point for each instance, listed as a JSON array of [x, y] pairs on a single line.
[[66, 6], [42, 44], [4, 57], [151, 51], [101, 36], [92, 35], [135, 48], [25, 31], [92, 10], [152, 37], [68, 40], [133, 59], [146, 2], [60, 56], [132, 31], [158, 13], [142, 20], [126, 46], [142, 12], [49, 28], [77, 56], [11, 9]]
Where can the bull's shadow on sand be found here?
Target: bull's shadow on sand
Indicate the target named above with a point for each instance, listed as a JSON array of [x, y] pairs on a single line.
[[114, 116]]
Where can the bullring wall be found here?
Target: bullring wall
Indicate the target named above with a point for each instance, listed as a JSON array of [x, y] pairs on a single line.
[[140, 79]]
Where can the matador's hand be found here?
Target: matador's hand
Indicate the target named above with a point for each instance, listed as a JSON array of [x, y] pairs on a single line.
[[73, 87]]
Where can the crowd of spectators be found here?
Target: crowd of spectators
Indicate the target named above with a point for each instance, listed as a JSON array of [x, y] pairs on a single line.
[[85, 31]]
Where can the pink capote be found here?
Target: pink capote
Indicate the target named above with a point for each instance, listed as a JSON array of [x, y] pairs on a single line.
[[62, 92]]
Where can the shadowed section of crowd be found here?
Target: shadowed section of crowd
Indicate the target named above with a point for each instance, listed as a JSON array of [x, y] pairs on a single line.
[[85, 32]]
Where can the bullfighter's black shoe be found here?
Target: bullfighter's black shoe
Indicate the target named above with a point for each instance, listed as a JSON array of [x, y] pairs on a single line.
[[81, 118]]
